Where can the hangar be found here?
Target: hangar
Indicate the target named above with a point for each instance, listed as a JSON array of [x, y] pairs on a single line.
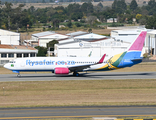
[[9, 37], [130, 34], [151, 42], [45, 37], [93, 45], [90, 47]]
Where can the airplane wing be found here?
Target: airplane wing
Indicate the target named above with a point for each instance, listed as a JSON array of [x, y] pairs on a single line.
[[81, 67]]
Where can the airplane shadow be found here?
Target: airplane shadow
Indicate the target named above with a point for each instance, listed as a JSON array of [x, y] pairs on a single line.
[[84, 75]]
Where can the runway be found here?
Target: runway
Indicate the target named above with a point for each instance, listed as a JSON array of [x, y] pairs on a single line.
[[77, 112], [83, 76]]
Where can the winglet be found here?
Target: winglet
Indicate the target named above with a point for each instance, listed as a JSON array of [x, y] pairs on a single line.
[[139, 42], [102, 59]]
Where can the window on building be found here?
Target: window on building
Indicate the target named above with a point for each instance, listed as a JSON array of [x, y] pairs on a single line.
[[3, 55], [19, 55], [32, 54], [11, 55], [26, 55], [4, 61]]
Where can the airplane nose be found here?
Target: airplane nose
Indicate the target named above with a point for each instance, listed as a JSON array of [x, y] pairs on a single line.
[[6, 66]]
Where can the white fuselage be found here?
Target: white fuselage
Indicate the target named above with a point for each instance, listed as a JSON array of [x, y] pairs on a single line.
[[50, 63]]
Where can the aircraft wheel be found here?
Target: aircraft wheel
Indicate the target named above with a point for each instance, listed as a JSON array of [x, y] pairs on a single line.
[[77, 74]]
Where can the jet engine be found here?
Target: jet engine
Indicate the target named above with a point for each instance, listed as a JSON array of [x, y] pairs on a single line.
[[61, 70]]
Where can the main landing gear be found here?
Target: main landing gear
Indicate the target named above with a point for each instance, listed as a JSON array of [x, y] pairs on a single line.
[[76, 74], [19, 75]]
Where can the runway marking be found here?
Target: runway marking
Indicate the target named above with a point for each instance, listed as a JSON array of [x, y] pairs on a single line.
[[87, 116]]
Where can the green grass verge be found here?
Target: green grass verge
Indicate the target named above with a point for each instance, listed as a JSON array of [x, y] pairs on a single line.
[[79, 93]]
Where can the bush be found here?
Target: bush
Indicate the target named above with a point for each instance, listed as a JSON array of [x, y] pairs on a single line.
[[145, 55]]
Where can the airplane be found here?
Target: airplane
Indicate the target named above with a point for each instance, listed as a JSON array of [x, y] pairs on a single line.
[[66, 65]]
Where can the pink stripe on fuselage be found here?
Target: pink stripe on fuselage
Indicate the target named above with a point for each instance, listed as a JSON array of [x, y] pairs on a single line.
[[139, 42]]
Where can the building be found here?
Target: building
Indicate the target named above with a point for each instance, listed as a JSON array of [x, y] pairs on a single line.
[[9, 37], [111, 20], [97, 45], [45, 37], [151, 42], [10, 52], [90, 47], [128, 35], [80, 35]]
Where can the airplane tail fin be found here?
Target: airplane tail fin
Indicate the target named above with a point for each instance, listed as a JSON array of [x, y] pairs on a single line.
[[135, 49], [132, 55], [102, 59], [138, 44]]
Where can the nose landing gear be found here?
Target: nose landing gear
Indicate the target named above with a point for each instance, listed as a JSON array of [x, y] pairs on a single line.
[[19, 75]]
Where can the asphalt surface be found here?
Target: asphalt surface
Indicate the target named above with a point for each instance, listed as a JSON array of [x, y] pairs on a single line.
[[78, 112], [83, 76]]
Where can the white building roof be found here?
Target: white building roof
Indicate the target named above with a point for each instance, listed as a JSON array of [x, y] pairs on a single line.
[[54, 36], [90, 36], [7, 33], [152, 32], [41, 34], [77, 33], [127, 31]]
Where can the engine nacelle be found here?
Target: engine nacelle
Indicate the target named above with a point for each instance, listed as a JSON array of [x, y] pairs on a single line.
[[61, 70]]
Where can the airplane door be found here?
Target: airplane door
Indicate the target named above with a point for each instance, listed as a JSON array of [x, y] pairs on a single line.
[[22, 64]]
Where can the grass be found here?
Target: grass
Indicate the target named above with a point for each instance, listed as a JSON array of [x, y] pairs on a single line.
[[70, 93]]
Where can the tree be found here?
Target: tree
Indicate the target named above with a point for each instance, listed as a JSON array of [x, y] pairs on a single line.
[[56, 23], [0, 16], [151, 3], [114, 5], [51, 44], [119, 6], [7, 13], [42, 51], [87, 8], [69, 24], [91, 19], [133, 5], [43, 1], [138, 16], [74, 27], [90, 30], [151, 22]]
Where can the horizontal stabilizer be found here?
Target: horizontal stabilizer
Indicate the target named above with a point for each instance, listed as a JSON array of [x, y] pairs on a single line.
[[136, 59]]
